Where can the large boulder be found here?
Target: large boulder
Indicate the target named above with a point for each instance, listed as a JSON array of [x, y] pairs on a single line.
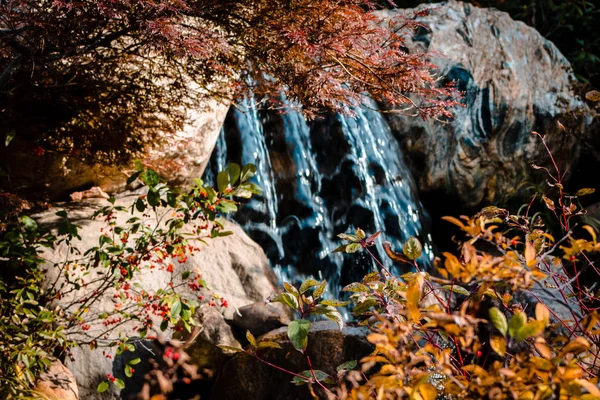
[[182, 158], [57, 383], [245, 377], [514, 82], [234, 267]]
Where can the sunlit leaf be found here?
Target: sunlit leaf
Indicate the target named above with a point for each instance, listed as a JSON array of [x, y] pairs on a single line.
[[498, 320], [307, 284], [412, 248], [298, 333], [498, 344]]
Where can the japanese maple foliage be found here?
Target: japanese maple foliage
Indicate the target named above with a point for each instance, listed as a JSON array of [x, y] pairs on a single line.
[[85, 75]]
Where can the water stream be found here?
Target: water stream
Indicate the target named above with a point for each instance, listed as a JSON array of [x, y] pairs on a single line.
[[319, 179]]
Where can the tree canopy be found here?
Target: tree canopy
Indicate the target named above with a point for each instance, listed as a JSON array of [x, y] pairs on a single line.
[[102, 79]]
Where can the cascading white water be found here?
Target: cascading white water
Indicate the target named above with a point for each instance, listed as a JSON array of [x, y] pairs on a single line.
[[320, 179]]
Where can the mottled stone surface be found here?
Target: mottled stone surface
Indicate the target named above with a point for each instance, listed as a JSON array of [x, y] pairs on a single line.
[[57, 383], [234, 267], [514, 81]]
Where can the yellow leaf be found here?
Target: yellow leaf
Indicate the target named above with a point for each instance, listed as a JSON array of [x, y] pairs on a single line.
[[589, 386], [575, 346], [591, 232], [413, 295], [498, 344], [428, 392], [540, 346], [530, 254], [549, 203], [542, 314], [593, 95]]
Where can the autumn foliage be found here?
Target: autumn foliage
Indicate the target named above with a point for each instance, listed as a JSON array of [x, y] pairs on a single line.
[[103, 79]]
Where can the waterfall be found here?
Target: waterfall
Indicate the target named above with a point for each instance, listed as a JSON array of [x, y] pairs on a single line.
[[319, 179]]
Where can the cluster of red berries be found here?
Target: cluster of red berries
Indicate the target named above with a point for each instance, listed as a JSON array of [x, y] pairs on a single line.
[[169, 353]]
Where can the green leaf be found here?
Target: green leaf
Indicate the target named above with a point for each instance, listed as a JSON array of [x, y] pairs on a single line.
[[457, 289], [307, 284], [498, 320], [248, 172], [120, 384], [176, 308], [61, 213], [29, 223], [251, 338], [371, 277], [230, 348], [336, 317], [585, 192], [319, 290], [364, 306], [268, 344], [356, 287], [140, 205], [347, 366], [335, 303], [516, 322], [340, 249], [150, 178], [222, 181], [153, 197], [290, 289], [412, 248], [102, 387], [346, 236], [287, 299], [234, 172], [10, 135], [133, 177], [135, 361], [353, 247], [128, 372], [298, 333], [186, 274], [320, 375], [360, 233]]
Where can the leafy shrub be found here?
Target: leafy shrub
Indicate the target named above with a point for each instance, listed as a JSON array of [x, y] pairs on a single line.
[[507, 316], [32, 330]]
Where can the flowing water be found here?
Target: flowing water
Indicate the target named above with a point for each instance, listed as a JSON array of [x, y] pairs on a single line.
[[319, 179]]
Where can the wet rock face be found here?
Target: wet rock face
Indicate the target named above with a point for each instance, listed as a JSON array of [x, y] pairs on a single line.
[[244, 377], [514, 82]]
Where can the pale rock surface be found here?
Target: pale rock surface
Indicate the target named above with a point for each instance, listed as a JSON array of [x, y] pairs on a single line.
[[57, 383], [234, 267]]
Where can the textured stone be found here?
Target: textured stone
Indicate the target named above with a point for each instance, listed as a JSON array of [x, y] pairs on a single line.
[[260, 318], [244, 377], [182, 158], [57, 383], [234, 267], [514, 81]]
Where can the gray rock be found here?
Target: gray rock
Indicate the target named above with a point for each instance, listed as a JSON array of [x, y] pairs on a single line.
[[515, 82], [234, 267], [244, 377], [260, 318]]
